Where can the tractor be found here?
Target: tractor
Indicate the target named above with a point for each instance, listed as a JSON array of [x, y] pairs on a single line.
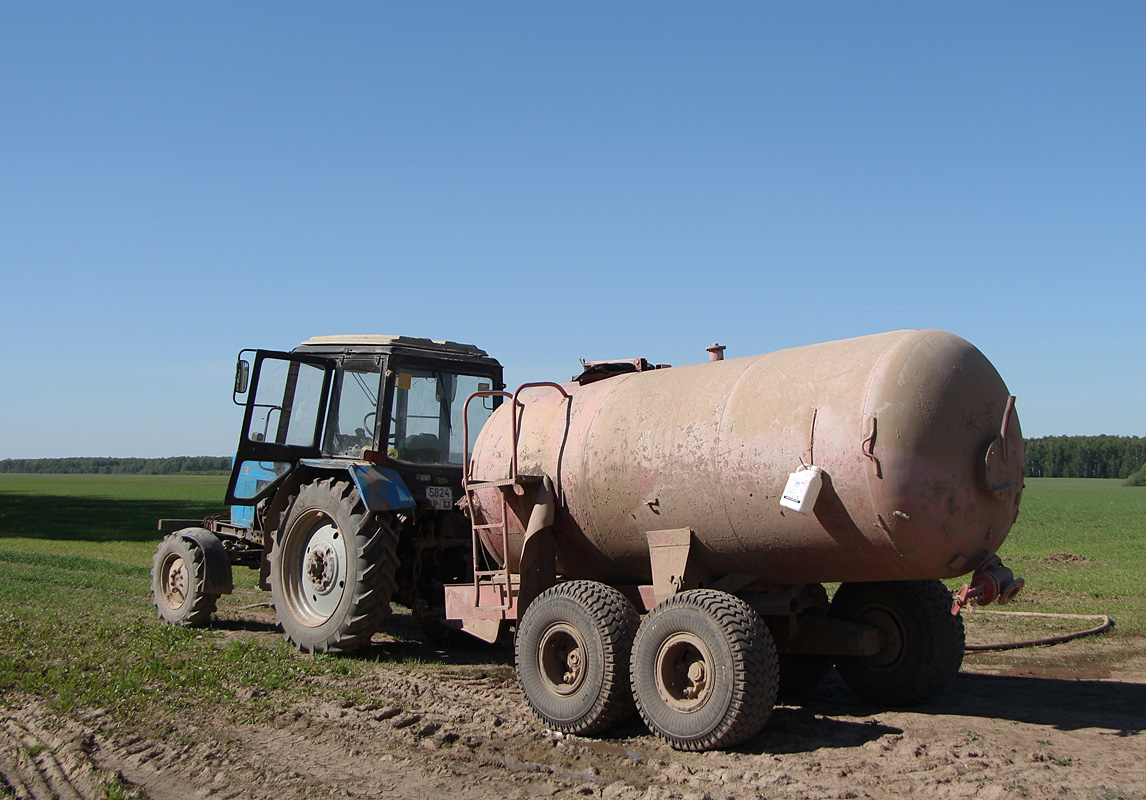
[[344, 488]]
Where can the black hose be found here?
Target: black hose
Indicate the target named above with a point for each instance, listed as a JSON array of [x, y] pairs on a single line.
[[1106, 624]]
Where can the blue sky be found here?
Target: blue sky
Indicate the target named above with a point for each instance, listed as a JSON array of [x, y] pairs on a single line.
[[559, 181]]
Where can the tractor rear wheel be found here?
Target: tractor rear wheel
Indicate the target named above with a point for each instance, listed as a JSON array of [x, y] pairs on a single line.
[[573, 649], [332, 568], [704, 670], [178, 577], [921, 642]]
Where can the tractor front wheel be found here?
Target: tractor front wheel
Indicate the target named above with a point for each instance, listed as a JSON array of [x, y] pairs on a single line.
[[178, 577]]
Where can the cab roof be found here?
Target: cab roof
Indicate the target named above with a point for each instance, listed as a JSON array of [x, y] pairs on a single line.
[[373, 340]]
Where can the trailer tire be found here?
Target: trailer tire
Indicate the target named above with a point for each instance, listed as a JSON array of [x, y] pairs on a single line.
[[178, 578], [572, 653], [704, 670], [332, 568], [921, 641]]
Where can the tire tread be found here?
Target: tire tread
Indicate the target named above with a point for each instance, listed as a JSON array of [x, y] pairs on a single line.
[[617, 623], [938, 636], [755, 672], [203, 605], [376, 545]]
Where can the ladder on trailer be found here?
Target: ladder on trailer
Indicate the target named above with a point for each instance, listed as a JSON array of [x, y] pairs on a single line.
[[501, 579]]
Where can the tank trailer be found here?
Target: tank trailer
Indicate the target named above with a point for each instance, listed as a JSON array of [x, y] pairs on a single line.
[[655, 539]]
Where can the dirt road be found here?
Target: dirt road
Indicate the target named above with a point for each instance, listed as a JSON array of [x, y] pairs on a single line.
[[1064, 722]]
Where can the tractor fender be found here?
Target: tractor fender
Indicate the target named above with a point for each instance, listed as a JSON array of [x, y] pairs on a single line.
[[381, 488], [217, 578]]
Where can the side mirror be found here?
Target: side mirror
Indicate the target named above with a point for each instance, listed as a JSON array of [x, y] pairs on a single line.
[[242, 376]]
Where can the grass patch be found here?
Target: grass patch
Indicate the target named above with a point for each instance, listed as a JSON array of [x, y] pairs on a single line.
[[71, 563], [103, 508], [97, 643], [92, 639], [76, 622], [1081, 547], [77, 627]]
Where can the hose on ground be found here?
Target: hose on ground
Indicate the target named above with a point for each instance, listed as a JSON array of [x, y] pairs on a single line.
[[1106, 624]]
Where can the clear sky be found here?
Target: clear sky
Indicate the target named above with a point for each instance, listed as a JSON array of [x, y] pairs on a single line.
[[555, 181]]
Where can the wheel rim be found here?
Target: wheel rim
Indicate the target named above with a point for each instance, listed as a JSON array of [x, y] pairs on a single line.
[[684, 671], [314, 568], [173, 590], [561, 659], [891, 636]]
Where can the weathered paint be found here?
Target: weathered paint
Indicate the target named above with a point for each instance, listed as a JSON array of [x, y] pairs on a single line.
[[914, 430]]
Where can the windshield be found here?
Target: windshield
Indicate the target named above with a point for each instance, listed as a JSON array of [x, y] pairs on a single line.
[[426, 423]]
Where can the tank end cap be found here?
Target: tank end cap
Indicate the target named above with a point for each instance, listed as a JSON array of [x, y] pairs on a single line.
[[1000, 476]]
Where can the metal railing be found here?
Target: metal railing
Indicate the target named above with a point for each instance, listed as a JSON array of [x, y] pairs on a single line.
[[516, 481]]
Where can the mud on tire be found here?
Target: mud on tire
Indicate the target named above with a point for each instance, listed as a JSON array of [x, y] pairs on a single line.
[[704, 670], [178, 575], [572, 653], [332, 568]]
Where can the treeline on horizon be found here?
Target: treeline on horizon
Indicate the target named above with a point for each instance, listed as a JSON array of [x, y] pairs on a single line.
[[1086, 457], [1047, 457], [176, 465]]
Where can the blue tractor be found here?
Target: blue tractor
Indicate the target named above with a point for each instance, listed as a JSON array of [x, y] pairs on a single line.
[[344, 488]]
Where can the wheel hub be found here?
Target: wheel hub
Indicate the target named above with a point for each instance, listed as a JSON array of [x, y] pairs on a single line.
[[696, 679], [175, 582], [320, 571], [684, 671], [321, 567], [890, 636], [560, 655]]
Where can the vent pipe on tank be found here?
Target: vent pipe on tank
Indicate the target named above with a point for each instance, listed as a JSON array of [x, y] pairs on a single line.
[[716, 352]]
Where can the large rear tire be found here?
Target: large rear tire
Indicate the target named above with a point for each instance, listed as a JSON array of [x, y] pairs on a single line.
[[921, 642], [704, 670], [572, 651], [332, 568], [178, 577]]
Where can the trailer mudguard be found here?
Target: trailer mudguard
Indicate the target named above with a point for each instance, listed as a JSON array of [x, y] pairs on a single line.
[[217, 564], [381, 488]]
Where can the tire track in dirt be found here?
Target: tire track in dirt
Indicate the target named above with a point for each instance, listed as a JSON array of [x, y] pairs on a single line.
[[30, 768], [464, 733]]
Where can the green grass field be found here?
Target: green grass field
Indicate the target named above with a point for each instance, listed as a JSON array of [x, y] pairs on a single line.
[[77, 625], [76, 622], [1081, 546]]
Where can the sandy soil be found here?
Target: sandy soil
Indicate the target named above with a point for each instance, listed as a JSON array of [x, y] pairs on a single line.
[[1061, 722]]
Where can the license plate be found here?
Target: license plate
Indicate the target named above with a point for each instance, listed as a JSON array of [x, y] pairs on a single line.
[[440, 497]]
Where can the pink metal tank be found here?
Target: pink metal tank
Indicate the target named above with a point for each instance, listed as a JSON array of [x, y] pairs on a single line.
[[915, 433]]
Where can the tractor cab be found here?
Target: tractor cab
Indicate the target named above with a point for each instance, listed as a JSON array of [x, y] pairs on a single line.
[[387, 409]]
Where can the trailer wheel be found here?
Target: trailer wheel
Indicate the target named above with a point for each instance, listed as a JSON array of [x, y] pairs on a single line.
[[704, 670], [572, 652], [332, 568], [921, 642], [178, 577]]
